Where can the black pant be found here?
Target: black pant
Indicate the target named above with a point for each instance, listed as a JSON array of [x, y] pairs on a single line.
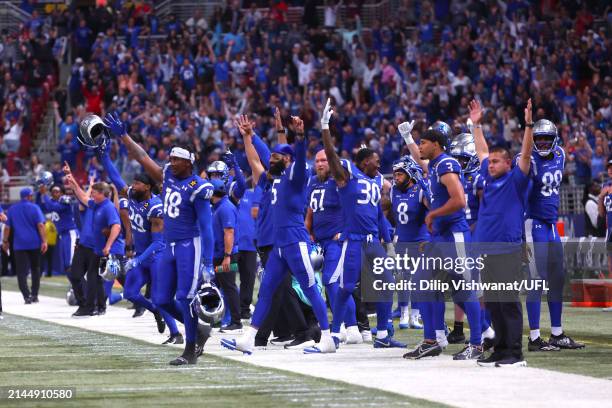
[[227, 283], [504, 305], [81, 262], [49, 259], [247, 267], [95, 296], [361, 308], [28, 261]]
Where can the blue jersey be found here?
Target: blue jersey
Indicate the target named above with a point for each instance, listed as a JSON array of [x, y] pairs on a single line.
[[472, 183], [61, 212], [360, 198], [225, 215], [23, 218], [546, 176], [608, 206], [289, 201], [324, 201], [246, 223], [180, 217], [438, 195], [140, 213], [409, 213], [263, 198], [104, 216]]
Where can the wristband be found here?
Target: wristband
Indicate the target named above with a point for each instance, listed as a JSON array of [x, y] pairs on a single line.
[[529, 125], [324, 126], [281, 130], [478, 126], [129, 248], [227, 255]]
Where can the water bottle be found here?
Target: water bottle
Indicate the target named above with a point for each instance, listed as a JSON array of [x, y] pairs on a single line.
[[233, 268]]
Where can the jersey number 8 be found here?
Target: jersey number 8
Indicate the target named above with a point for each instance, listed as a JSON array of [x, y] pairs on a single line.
[[172, 200]]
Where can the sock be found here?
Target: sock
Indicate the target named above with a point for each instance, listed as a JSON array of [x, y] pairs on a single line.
[[325, 333], [438, 307], [415, 313], [555, 309], [340, 308], [381, 334], [440, 334], [533, 313], [404, 310], [488, 334], [458, 327], [556, 331], [429, 332], [383, 313], [250, 333], [534, 334]]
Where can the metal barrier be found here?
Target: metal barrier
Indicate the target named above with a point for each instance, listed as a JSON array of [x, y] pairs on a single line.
[[11, 16], [570, 199], [585, 257], [185, 9]]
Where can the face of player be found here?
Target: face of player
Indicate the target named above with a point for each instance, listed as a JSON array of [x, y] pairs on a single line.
[[427, 149], [97, 196], [140, 190], [215, 176], [56, 193], [180, 167], [401, 179], [371, 165], [278, 163], [321, 165], [499, 164], [543, 142]]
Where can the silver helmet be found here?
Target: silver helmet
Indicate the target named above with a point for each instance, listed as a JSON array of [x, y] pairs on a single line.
[[463, 149], [71, 298], [93, 133], [316, 257], [110, 268], [220, 168], [208, 303], [545, 137], [45, 179]]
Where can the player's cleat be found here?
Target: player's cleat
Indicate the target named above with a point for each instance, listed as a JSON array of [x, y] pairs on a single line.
[[203, 335], [424, 350], [82, 312], [233, 328], [404, 322], [161, 324], [415, 322], [565, 342], [282, 340], [540, 345], [138, 311], [34, 299], [299, 344], [470, 352], [366, 335], [327, 344], [487, 344], [183, 360], [491, 360], [101, 311], [397, 313], [238, 344], [176, 339], [389, 342], [455, 337], [390, 329], [511, 362], [353, 336]]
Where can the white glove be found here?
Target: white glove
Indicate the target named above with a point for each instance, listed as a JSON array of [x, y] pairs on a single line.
[[207, 272], [405, 128], [326, 115], [131, 264], [470, 125], [390, 247]]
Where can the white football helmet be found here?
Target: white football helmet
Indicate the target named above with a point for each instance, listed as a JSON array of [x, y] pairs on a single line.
[[208, 303]]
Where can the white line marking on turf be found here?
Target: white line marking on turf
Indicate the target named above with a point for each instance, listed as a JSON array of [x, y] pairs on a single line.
[[458, 383]]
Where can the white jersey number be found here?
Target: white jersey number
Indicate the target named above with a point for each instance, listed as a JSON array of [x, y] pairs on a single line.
[[551, 183], [402, 213], [274, 191], [317, 204], [371, 192], [172, 200], [136, 220]]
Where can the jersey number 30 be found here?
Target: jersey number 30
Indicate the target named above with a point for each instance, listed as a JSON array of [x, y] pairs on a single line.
[[172, 200], [371, 193]]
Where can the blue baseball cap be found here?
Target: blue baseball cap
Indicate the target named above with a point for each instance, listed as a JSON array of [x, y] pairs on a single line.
[[218, 186], [283, 148], [25, 192]]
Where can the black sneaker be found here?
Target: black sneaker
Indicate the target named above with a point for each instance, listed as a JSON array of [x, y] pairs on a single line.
[[176, 339], [161, 324], [488, 344], [82, 312], [455, 337], [101, 311], [565, 342], [281, 341], [138, 311], [299, 343], [540, 345], [184, 360], [234, 328], [470, 352], [245, 315], [424, 350], [203, 335], [511, 362], [28, 300], [34, 299], [491, 360]]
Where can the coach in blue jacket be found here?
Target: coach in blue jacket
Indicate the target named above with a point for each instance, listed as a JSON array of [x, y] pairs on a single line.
[[26, 221]]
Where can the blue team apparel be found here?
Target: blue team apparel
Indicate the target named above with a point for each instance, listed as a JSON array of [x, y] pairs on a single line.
[[472, 183], [105, 215], [263, 198], [62, 215], [546, 175], [438, 167], [409, 213], [23, 218], [246, 223], [140, 213], [327, 214], [225, 215]]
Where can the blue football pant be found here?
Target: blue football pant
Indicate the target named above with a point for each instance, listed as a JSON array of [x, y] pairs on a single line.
[[66, 245], [545, 262], [175, 284], [295, 258], [332, 250]]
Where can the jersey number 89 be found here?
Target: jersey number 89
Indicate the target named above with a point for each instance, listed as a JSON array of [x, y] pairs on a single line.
[[172, 200]]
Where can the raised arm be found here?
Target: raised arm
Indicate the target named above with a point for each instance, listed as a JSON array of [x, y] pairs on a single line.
[[281, 134], [81, 195], [405, 129], [118, 129], [298, 176], [335, 166], [525, 158], [238, 188], [246, 129], [113, 173], [482, 149]]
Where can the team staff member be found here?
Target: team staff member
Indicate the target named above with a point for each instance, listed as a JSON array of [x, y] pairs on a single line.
[[29, 241], [2, 220], [504, 193]]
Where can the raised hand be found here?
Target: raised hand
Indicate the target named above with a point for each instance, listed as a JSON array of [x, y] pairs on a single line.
[[298, 125], [244, 125], [475, 112], [229, 158], [66, 169], [326, 115], [528, 112], [278, 122], [405, 129], [116, 126]]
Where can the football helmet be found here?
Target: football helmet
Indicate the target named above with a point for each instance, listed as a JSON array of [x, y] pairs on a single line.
[[110, 268], [545, 137], [71, 298], [410, 167], [208, 303], [443, 128], [463, 149], [93, 133], [220, 169], [44, 179], [316, 257]]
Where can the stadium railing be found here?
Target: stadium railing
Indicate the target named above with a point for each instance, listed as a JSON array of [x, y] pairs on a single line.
[[11, 16]]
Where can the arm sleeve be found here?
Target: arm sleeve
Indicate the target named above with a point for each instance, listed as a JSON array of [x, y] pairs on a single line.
[[262, 151], [298, 169], [156, 245], [238, 188], [113, 173], [204, 212]]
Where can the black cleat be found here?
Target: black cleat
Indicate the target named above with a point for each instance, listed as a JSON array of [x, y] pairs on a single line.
[[101, 311], [28, 300], [455, 337], [174, 339], [161, 324], [491, 360], [511, 362], [138, 311], [424, 350], [470, 352], [282, 340], [488, 344], [34, 299], [184, 360], [540, 345], [234, 328], [565, 342], [203, 335], [83, 312]]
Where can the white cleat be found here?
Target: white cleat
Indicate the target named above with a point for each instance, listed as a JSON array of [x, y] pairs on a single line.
[[241, 343], [353, 336], [415, 322], [366, 335], [404, 322], [327, 344]]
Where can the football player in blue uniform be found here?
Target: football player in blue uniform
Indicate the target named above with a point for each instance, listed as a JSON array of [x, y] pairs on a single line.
[[605, 210], [546, 260], [359, 187], [324, 221], [145, 212], [450, 232], [409, 207], [290, 236], [187, 234]]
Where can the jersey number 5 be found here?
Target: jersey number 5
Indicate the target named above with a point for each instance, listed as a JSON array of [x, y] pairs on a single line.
[[172, 200]]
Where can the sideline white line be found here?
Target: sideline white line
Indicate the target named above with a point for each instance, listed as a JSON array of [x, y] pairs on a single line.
[[458, 383]]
